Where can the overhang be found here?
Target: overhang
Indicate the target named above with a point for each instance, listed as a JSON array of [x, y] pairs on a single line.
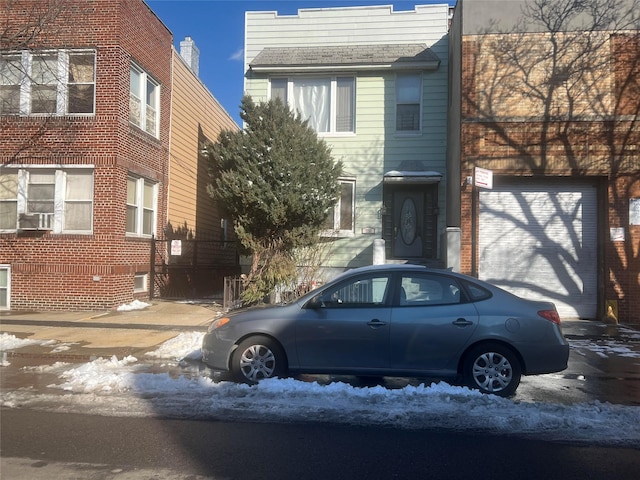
[[415, 177], [345, 58]]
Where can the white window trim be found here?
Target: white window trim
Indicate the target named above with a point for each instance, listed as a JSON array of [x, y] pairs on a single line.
[[144, 77], [333, 98], [336, 232], [8, 287], [145, 282], [409, 133], [140, 183], [59, 195], [62, 82]]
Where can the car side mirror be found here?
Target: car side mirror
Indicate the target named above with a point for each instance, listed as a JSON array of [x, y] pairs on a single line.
[[315, 302]]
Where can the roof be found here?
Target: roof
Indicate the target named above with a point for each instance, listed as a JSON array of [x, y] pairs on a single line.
[[346, 57]]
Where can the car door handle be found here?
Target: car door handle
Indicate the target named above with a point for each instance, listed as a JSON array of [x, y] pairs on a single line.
[[375, 323], [462, 322]]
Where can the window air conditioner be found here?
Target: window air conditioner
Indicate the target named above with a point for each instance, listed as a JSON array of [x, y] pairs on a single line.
[[35, 221]]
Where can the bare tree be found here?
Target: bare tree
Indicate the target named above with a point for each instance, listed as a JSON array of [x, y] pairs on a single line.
[[559, 93], [35, 19]]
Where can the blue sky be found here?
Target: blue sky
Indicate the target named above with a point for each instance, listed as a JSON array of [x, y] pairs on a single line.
[[217, 28]]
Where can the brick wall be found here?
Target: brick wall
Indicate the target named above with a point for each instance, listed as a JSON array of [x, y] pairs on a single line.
[[604, 148], [622, 258], [79, 272]]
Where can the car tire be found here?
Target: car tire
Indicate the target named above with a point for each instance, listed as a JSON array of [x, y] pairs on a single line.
[[492, 368], [257, 358]]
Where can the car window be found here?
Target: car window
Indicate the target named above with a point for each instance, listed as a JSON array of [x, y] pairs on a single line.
[[425, 289], [358, 292], [477, 292]]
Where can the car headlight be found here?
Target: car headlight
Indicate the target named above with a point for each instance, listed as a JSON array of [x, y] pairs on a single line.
[[218, 323]]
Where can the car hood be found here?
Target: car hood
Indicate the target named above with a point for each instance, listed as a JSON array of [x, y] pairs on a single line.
[[262, 311]]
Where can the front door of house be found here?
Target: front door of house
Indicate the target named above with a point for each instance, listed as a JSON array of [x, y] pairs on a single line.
[[408, 214], [410, 222]]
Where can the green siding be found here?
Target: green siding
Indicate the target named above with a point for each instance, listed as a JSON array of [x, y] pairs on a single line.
[[375, 148]]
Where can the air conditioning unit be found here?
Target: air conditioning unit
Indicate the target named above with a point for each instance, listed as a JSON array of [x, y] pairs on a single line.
[[35, 221]]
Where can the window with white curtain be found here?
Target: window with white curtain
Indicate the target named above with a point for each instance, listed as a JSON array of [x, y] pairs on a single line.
[[408, 102], [328, 103], [78, 201], [60, 200], [144, 100], [56, 82], [141, 206]]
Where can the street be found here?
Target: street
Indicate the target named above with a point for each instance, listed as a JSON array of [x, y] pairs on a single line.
[[95, 447], [156, 417]]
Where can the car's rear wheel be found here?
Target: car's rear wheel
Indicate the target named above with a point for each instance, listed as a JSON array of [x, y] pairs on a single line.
[[492, 368], [257, 358]]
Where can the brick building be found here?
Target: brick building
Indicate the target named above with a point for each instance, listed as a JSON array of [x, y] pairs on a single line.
[[85, 106], [552, 114]]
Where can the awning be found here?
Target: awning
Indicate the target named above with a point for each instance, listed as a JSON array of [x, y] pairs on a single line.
[[415, 177]]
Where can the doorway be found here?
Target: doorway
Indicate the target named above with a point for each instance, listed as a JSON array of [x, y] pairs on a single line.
[[410, 221]]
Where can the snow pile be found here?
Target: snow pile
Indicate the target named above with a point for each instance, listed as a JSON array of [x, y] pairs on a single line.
[[184, 346], [101, 375], [11, 342], [135, 305], [125, 387]]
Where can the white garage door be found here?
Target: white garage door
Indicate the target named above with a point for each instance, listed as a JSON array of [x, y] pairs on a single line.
[[539, 242]]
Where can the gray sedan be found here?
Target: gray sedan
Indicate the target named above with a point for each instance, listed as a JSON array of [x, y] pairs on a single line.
[[395, 320]]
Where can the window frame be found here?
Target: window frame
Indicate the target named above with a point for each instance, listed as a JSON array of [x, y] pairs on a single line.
[[6, 288], [336, 231], [60, 83], [67, 202], [15, 75], [10, 200], [140, 207], [144, 80], [55, 218], [288, 88], [420, 103], [145, 282]]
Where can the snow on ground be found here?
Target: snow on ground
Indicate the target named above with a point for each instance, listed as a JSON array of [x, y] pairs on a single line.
[[11, 342], [605, 349], [143, 387], [135, 305], [184, 346]]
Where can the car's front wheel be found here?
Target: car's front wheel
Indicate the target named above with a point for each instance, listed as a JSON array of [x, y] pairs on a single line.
[[257, 358], [492, 368]]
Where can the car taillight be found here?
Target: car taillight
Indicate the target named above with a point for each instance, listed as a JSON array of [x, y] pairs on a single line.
[[551, 315]]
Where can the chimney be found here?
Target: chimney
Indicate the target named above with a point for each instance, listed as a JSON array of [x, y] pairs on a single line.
[[190, 53]]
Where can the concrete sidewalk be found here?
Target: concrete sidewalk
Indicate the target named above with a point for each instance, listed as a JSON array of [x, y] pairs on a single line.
[[93, 334]]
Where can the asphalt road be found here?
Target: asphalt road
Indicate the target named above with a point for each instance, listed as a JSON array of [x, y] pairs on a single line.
[[38, 445]]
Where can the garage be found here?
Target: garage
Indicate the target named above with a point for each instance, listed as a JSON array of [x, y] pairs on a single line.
[[539, 241]]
